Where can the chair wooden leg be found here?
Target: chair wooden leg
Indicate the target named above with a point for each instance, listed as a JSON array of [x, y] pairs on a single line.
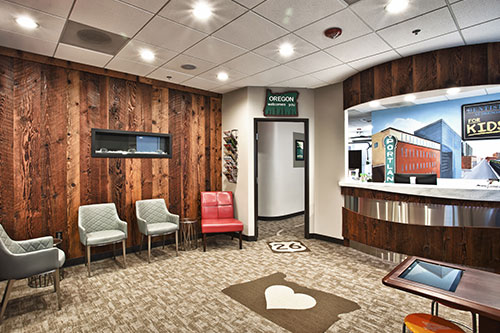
[[241, 241], [88, 259], [5, 298], [124, 246], [140, 248], [204, 242], [57, 288], [149, 249], [177, 242]]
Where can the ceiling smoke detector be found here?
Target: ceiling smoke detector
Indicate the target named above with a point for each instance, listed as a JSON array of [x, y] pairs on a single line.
[[333, 32], [188, 67]]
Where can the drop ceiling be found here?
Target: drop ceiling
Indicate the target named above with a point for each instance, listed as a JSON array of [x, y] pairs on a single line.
[[242, 36]]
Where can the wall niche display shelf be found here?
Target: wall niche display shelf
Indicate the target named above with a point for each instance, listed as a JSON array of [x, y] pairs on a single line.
[[126, 144], [231, 155]]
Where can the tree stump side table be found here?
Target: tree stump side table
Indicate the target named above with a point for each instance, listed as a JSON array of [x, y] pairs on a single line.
[[189, 233]]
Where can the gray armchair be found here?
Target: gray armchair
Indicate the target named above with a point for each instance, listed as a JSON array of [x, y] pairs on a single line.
[[22, 259], [100, 225], [154, 219]]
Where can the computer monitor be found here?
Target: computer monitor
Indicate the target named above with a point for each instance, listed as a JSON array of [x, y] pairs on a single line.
[[406, 178]]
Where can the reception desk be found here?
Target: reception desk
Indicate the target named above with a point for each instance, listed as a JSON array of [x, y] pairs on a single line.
[[457, 224]]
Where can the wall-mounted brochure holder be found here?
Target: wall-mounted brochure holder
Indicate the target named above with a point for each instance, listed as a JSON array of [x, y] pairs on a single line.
[[231, 155]]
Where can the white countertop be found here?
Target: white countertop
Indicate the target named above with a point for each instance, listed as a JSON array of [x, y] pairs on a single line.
[[456, 189]]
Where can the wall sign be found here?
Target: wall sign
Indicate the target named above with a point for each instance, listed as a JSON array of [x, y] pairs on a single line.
[[281, 104], [390, 143], [299, 150], [481, 121]]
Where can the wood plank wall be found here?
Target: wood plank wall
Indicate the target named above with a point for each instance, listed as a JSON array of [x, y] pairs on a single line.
[[457, 66], [46, 169]]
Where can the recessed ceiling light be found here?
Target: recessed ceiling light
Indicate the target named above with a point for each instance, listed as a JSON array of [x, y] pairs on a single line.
[[27, 22], [396, 6], [147, 55], [202, 11], [453, 91], [410, 98], [222, 76], [374, 104], [189, 67], [286, 49]]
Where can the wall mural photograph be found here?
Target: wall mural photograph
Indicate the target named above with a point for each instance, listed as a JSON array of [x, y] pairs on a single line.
[[457, 137]]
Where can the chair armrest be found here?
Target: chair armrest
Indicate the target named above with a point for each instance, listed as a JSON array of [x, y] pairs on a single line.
[[143, 225], [32, 263], [83, 235], [36, 244], [173, 218], [122, 225]]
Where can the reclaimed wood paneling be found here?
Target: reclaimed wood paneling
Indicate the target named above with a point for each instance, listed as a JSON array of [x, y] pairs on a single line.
[[477, 247], [459, 66], [46, 169]]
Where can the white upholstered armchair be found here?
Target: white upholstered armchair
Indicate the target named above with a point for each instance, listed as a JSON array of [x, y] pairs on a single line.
[[100, 225], [154, 219], [23, 259]]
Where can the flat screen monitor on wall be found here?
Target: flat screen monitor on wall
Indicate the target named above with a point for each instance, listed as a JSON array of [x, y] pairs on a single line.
[[408, 178]]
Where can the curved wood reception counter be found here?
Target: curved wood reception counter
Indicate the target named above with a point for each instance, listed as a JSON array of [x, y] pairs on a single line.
[[453, 224]]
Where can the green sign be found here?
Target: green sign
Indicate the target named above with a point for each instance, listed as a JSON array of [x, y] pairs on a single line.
[[390, 143], [281, 104]]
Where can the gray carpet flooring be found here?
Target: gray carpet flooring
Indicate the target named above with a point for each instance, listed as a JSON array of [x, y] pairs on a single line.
[[183, 294]]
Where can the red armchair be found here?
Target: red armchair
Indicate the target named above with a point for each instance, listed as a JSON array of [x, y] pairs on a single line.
[[217, 215]]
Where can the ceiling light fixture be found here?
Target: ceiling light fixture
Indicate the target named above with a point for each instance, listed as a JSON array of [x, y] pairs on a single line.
[[202, 11], [222, 76], [374, 104], [147, 55], [410, 98], [27, 22], [286, 49], [396, 6], [188, 67], [453, 91]]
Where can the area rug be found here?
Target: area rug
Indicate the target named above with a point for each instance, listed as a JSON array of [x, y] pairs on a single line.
[[289, 305], [287, 246]]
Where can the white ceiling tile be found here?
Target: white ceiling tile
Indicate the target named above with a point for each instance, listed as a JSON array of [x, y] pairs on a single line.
[[26, 43], [169, 35], [294, 14], [50, 26], [215, 50], [374, 60], [277, 74], [150, 5], [249, 31], [225, 89], [167, 75], [250, 63], [212, 74], [55, 7], [470, 12], [359, 48], [251, 81], [300, 46], [132, 67], [305, 81], [110, 15], [482, 33], [314, 62], [223, 11], [441, 42], [200, 83], [182, 59], [335, 74], [132, 50], [249, 3], [83, 56], [373, 11], [351, 25], [431, 25]]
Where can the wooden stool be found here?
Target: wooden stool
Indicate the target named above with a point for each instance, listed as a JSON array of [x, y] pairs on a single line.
[[425, 323]]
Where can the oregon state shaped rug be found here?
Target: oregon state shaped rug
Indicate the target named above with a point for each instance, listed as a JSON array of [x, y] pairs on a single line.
[[289, 305]]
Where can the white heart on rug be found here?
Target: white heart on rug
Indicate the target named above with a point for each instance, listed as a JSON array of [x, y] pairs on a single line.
[[283, 297]]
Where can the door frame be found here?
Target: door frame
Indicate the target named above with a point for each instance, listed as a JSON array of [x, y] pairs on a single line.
[[305, 121]]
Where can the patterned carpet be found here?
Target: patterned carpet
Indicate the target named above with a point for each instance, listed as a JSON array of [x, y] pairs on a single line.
[[183, 294]]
